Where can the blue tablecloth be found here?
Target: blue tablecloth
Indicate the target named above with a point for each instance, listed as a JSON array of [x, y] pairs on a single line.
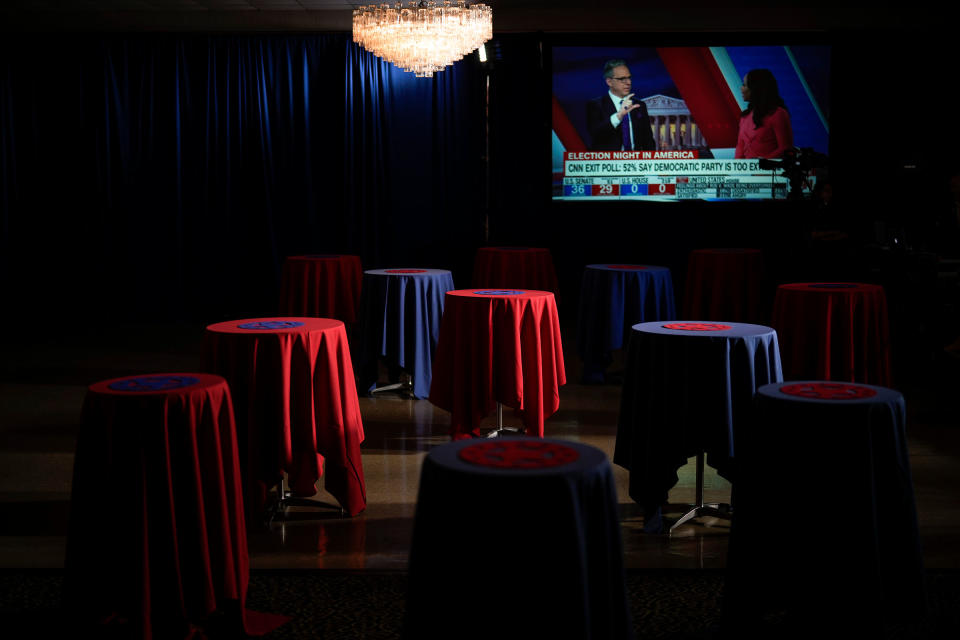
[[835, 455], [400, 311], [688, 385], [516, 538], [613, 298]]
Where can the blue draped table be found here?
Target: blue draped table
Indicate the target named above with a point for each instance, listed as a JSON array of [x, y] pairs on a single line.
[[688, 385], [529, 526], [613, 298], [400, 312], [840, 449]]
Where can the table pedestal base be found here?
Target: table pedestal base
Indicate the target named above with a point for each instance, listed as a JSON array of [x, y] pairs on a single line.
[[714, 510], [277, 510], [700, 509], [405, 386], [501, 430], [504, 432]]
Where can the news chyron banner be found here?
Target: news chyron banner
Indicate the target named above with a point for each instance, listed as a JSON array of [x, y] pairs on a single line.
[[667, 175]]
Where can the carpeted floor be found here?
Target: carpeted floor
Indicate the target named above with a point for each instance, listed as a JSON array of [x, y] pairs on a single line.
[[665, 604]]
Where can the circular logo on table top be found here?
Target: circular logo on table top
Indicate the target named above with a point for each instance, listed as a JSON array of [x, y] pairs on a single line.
[[512, 454], [153, 383], [831, 285], [697, 326], [268, 325], [405, 270], [828, 390], [626, 266], [498, 292]]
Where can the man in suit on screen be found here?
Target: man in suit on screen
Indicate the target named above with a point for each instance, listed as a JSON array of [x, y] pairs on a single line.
[[616, 121]]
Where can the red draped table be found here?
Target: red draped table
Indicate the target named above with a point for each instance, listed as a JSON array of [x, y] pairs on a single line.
[[297, 408], [321, 286], [521, 267], [156, 539], [724, 285], [833, 331], [498, 345]]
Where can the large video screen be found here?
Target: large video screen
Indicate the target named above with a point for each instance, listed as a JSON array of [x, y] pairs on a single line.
[[668, 123]]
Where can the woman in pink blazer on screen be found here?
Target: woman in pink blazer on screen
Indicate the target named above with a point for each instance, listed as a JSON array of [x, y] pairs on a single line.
[[765, 130]]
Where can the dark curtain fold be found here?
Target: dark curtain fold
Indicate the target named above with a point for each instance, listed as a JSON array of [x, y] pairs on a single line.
[[207, 149], [165, 177], [430, 173], [365, 187]]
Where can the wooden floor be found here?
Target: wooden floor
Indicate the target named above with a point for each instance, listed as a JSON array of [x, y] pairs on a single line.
[[44, 380]]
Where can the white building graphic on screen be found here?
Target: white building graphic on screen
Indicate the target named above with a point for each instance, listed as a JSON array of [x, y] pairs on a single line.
[[673, 126]]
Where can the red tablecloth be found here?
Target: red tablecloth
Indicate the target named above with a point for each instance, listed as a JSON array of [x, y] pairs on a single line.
[[520, 267], [297, 409], [502, 346], [725, 285], [321, 286], [157, 538], [833, 331]]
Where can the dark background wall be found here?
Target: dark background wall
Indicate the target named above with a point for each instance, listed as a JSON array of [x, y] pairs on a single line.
[[164, 177]]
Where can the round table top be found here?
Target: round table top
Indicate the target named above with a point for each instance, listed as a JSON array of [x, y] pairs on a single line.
[[320, 256], [156, 384], [274, 325], [517, 456], [515, 249], [831, 287], [407, 272], [503, 294], [703, 328], [726, 251], [627, 267], [827, 392]]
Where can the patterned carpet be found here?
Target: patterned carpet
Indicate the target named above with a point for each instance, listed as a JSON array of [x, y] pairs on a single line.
[[665, 604]]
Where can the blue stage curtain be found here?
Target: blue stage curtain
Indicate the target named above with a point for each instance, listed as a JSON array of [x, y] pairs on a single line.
[[162, 176], [430, 175]]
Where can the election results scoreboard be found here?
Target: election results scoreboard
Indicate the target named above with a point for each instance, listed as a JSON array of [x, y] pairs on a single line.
[[665, 175]]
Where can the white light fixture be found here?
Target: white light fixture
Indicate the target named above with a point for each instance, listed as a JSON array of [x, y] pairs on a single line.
[[422, 37]]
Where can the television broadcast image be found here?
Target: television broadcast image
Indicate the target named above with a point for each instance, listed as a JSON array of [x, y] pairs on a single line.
[[689, 122]]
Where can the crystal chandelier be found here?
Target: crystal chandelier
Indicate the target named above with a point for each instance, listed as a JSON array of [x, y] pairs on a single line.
[[422, 37]]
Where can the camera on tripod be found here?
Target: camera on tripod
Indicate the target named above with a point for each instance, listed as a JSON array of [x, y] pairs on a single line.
[[795, 165]]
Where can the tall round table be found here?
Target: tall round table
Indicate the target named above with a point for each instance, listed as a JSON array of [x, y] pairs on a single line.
[[400, 311], [838, 451], [297, 409], [834, 331], [321, 286], [688, 387], [514, 267], [724, 284], [613, 298], [498, 345], [530, 528], [156, 538]]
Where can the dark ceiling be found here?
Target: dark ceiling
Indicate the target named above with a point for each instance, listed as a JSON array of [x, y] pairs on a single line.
[[509, 15]]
